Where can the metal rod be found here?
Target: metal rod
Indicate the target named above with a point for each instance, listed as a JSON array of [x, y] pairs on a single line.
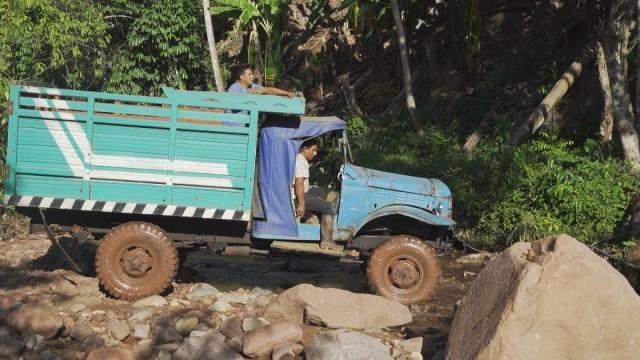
[[55, 241]]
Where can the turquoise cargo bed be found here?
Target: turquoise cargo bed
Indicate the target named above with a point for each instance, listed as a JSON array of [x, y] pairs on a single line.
[[188, 154]]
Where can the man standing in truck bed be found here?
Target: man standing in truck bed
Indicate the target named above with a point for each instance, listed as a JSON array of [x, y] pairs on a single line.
[[244, 84]]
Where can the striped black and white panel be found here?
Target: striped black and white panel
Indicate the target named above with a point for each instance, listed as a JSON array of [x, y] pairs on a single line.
[[126, 207]]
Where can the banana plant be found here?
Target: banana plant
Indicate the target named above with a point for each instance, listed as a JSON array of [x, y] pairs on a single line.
[[264, 19]]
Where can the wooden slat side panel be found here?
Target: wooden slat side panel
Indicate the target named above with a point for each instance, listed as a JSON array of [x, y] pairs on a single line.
[[127, 192], [207, 197], [49, 186]]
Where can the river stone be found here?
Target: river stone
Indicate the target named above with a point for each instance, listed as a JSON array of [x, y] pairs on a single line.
[[553, 299], [203, 292], [243, 299], [286, 351], [141, 331], [205, 345], [232, 327], [34, 342], [110, 353], [82, 332], [163, 355], [220, 306], [36, 318], [77, 307], [336, 308], [263, 340], [119, 329], [10, 346], [186, 324], [249, 324], [140, 316], [346, 345], [151, 301], [166, 335], [410, 345]]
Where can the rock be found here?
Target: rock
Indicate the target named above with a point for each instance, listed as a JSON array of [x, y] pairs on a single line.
[[119, 329], [110, 353], [49, 355], [479, 258], [163, 355], [36, 318], [168, 335], [10, 346], [140, 316], [205, 345], [249, 324], [68, 323], [203, 292], [78, 307], [235, 343], [346, 345], [8, 302], [34, 342], [286, 351], [554, 298], [151, 301], [232, 327], [171, 347], [143, 349], [336, 308], [411, 345], [220, 306], [263, 340], [186, 324], [141, 331], [243, 299]]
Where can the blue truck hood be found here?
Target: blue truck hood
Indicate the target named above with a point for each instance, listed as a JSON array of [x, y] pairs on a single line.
[[402, 183]]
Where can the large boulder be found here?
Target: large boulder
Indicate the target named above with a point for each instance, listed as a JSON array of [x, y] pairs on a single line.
[[336, 308], [36, 318], [553, 299], [205, 345], [346, 345]]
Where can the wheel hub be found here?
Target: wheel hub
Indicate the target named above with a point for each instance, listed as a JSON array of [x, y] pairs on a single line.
[[136, 262], [404, 273]]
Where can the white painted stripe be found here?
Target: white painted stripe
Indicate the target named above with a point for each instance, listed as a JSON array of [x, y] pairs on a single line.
[[108, 206], [202, 181], [201, 167], [25, 201], [128, 208], [245, 216], [208, 214], [36, 90], [125, 176], [88, 205], [46, 202], [228, 214], [80, 138], [63, 142], [170, 210], [67, 204], [51, 103], [130, 162], [58, 114], [188, 212], [149, 209]]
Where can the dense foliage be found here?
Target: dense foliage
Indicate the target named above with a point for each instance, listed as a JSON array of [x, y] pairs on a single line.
[[469, 58]]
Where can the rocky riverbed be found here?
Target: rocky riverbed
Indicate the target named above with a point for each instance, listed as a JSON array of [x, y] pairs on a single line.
[[217, 308]]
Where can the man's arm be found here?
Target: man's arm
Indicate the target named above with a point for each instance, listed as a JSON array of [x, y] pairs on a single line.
[[267, 90], [299, 190]]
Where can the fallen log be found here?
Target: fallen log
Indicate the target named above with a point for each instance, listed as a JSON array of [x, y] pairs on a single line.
[[540, 114]]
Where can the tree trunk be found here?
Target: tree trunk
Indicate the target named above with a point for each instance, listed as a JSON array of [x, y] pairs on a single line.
[[406, 71], [616, 48], [258, 49], [212, 46], [474, 138], [537, 118], [606, 125]]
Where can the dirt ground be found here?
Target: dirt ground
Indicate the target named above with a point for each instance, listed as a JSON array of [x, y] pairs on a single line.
[[32, 269]]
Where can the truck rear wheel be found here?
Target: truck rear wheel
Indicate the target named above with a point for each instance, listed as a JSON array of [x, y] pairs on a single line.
[[136, 260], [403, 268]]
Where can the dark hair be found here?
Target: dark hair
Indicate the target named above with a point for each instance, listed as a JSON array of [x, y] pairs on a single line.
[[240, 69], [309, 143]]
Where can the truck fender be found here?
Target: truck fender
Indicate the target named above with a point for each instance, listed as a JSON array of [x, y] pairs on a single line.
[[408, 211]]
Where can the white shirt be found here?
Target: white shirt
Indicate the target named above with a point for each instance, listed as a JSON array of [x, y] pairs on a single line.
[[302, 171]]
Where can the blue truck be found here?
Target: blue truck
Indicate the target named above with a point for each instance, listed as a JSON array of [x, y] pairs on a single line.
[[149, 176]]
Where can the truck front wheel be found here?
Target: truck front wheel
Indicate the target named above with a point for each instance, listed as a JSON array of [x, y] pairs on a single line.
[[403, 268], [136, 260]]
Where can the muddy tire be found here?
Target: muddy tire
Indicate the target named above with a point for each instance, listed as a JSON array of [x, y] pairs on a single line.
[[136, 260], [403, 268]]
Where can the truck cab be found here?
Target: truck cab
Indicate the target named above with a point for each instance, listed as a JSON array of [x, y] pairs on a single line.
[[151, 177]]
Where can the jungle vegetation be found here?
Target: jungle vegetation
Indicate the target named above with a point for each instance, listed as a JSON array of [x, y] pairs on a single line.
[[526, 109]]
